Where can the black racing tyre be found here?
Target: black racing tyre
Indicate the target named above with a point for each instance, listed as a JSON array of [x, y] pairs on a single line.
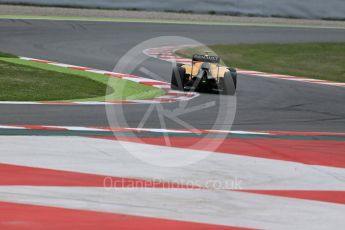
[[228, 82], [178, 78], [233, 73]]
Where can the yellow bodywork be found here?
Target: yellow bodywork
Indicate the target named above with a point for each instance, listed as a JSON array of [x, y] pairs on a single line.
[[213, 69]]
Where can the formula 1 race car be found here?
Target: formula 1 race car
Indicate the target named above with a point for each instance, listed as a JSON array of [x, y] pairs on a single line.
[[204, 75]]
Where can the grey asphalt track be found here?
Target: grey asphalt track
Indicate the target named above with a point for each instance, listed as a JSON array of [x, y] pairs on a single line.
[[262, 104]]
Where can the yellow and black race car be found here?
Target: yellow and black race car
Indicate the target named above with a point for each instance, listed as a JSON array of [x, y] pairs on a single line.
[[205, 74]]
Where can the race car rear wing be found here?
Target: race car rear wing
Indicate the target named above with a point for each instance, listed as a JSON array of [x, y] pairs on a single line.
[[205, 58]]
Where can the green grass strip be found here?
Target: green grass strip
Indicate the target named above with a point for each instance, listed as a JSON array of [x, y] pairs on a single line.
[[7, 55], [23, 80], [164, 21], [324, 61]]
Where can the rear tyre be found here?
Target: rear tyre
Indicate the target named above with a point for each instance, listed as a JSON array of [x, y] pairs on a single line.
[[178, 78], [229, 83], [233, 73]]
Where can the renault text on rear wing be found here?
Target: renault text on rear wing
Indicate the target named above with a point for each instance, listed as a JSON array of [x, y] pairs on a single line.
[[205, 58]]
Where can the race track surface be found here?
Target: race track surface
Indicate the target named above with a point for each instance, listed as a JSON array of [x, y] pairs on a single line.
[[82, 167], [261, 104]]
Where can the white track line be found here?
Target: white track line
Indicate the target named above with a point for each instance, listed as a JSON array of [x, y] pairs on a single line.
[[116, 158], [81, 128], [202, 206]]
